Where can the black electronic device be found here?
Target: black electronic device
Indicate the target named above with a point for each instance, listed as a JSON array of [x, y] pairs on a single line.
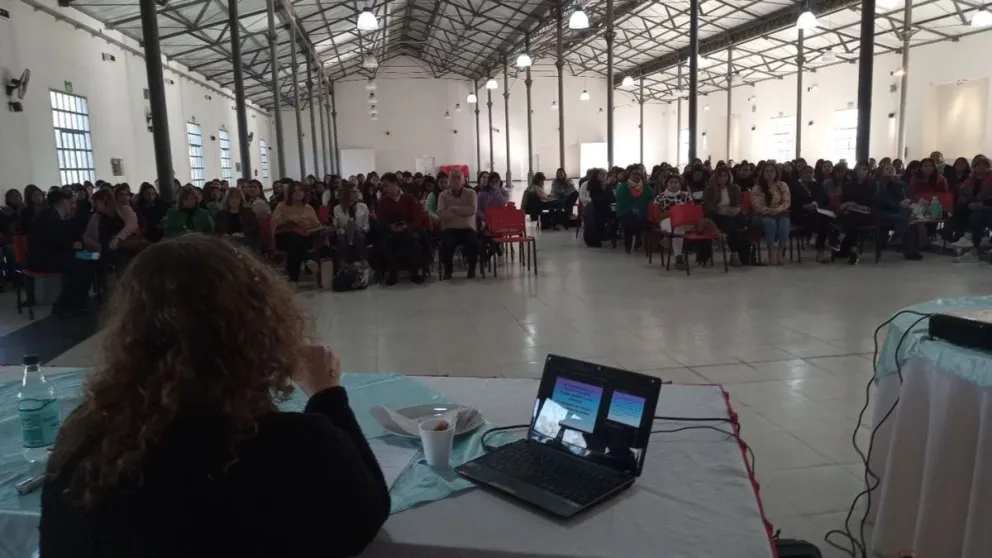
[[967, 328], [587, 439]]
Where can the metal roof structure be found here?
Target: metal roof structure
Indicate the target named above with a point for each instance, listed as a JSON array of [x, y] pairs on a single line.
[[470, 38]]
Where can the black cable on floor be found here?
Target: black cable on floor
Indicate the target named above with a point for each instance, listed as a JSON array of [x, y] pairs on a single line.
[[858, 547]]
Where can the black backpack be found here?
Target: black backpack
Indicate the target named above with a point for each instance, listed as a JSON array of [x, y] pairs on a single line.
[[348, 279], [795, 548]]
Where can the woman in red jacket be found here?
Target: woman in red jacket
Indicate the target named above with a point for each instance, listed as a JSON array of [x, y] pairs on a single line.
[[927, 180]]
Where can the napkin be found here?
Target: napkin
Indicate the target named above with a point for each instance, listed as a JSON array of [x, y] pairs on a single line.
[[391, 420]]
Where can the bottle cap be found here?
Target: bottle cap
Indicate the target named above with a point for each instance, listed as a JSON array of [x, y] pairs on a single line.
[[30, 360]]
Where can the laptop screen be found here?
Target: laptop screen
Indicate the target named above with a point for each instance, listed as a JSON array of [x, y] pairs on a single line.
[[595, 412]]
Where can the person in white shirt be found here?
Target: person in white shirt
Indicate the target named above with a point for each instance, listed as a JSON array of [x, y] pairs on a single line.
[[351, 223]]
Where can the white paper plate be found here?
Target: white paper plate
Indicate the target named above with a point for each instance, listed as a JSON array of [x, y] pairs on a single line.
[[421, 413]]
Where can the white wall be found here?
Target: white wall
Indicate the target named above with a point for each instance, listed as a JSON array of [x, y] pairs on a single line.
[[57, 52]]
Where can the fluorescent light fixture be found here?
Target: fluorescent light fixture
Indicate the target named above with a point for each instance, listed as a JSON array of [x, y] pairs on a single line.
[[369, 62], [524, 61], [367, 21], [829, 57], [806, 21], [491, 84], [628, 81], [578, 19], [982, 18], [472, 99], [370, 85], [584, 96]]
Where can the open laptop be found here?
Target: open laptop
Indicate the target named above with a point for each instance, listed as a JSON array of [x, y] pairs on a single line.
[[587, 438]]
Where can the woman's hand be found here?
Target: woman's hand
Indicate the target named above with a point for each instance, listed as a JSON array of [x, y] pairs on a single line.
[[321, 369]]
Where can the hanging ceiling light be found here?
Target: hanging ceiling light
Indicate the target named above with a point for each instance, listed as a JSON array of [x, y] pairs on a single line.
[[447, 115], [369, 62], [491, 84], [584, 96], [458, 107], [899, 72], [370, 85], [372, 98], [578, 19], [707, 107], [829, 57], [472, 99], [982, 18], [628, 81], [367, 21], [374, 116], [806, 21], [524, 61], [554, 105]]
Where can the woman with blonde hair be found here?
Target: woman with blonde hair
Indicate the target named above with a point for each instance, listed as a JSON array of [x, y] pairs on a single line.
[[237, 220], [178, 447]]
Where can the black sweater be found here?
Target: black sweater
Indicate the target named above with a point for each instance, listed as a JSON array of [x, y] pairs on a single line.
[[307, 485]]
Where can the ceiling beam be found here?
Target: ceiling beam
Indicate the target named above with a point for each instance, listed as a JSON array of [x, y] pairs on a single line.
[[771, 23]]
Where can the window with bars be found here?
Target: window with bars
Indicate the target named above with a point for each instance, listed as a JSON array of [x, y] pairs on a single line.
[[783, 138], [264, 158], [225, 154], [846, 135], [194, 137], [73, 141]]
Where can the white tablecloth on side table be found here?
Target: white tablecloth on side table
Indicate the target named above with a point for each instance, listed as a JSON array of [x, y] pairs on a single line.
[[934, 455], [694, 499]]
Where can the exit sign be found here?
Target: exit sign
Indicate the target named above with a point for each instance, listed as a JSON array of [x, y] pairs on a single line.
[[68, 87]]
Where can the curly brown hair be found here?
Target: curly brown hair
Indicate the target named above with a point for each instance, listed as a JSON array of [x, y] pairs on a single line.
[[224, 340]]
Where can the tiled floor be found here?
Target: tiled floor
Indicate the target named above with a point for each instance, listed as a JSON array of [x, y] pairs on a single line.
[[792, 345]]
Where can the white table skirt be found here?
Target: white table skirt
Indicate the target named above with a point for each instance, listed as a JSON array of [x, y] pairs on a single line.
[[694, 499], [934, 456]]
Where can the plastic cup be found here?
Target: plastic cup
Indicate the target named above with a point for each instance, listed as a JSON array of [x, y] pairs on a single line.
[[437, 436]]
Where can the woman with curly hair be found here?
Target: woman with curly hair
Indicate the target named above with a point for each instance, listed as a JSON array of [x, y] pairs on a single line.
[[177, 447]]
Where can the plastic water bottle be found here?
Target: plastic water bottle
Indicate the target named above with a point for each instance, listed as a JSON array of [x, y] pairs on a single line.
[[39, 411]]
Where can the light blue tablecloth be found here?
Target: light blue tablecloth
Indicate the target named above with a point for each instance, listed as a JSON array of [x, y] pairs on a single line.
[[419, 484], [970, 364]]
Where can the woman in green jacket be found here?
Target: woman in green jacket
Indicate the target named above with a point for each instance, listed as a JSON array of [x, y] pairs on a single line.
[[633, 197], [187, 216]]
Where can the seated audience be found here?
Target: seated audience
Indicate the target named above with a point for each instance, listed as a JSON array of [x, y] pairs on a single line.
[[399, 216], [807, 197], [237, 220], [351, 224], [255, 199], [957, 174], [430, 199], [893, 205], [456, 207], [173, 450], [836, 179], [212, 199], [771, 204], [722, 204], [481, 179], [857, 200], [294, 221], [926, 180], [975, 203], [490, 195], [659, 212], [34, 203], [113, 229], [187, 215], [151, 210], [51, 249], [633, 198]]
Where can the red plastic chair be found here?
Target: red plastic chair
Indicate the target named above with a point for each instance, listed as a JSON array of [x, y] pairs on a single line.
[[20, 242], [509, 226], [690, 215]]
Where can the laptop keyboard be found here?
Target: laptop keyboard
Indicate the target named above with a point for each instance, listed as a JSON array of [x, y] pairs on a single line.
[[557, 473]]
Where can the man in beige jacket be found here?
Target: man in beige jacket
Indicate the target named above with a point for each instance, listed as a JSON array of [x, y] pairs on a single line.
[[456, 208]]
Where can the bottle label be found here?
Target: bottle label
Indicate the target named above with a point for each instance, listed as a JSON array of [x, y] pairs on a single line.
[[39, 421]]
